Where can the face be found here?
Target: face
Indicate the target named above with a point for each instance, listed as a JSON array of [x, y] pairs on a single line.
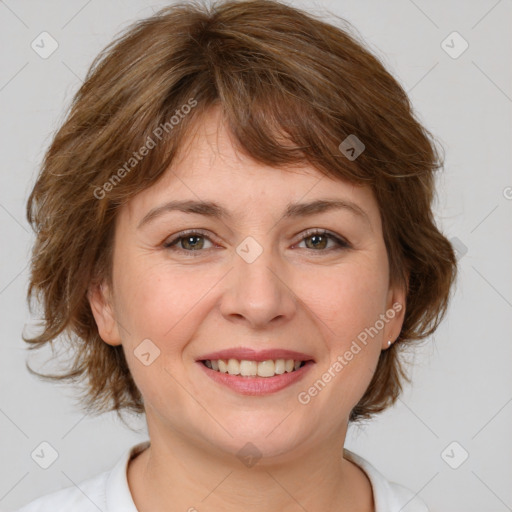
[[268, 275]]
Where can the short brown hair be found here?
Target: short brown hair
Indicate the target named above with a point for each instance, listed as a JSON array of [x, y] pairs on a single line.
[[292, 87]]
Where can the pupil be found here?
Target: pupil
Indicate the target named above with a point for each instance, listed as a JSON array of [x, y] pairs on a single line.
[[188, 241], [317, 237]]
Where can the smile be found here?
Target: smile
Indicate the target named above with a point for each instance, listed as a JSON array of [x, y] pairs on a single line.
[[255, 384], [246, 368]]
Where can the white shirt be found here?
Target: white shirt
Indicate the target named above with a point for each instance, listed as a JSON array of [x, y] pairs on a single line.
[[109, 491]]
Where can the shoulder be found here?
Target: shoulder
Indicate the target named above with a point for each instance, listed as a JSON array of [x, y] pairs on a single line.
[[388, 496], [405, 499], [106, 491], [88, 496]]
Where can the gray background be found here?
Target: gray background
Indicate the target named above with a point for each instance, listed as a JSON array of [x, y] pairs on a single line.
[[461, 388]]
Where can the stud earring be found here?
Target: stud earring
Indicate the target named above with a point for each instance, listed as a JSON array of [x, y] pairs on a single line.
[[389, 343]]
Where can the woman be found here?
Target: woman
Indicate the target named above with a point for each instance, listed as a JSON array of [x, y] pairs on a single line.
[[234, 229]]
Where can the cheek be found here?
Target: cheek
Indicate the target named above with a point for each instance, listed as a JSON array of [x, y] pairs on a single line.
[[160, 301], [160, 304], [349, 307], [348, 299], [347, 314]]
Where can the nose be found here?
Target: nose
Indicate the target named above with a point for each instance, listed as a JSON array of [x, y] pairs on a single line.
[[257, 293]]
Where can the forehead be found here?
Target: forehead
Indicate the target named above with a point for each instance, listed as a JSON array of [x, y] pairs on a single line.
[[210, 168]]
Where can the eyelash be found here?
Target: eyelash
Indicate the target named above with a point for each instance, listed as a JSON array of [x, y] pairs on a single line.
[[341, 243]]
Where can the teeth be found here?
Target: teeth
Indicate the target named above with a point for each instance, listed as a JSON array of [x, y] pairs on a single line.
[[279, 366], [247, 368], [266, 368], [233, 367]]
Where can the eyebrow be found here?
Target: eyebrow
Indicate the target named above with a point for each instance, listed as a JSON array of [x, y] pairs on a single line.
[[293, 210]]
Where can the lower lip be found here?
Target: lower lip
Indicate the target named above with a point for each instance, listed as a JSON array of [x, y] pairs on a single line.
[[257, 385]]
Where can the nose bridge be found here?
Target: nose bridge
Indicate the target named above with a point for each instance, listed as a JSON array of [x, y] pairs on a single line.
[[256, 290]]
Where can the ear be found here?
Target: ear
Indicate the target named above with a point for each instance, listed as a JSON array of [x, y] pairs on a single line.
[[395, 312], [100, 300]]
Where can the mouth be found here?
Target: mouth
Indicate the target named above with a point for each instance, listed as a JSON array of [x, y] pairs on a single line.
[[249, 368], [255, 373]]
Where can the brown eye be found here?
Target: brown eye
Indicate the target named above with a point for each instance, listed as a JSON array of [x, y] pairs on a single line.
[[191, 241], [319, 240]]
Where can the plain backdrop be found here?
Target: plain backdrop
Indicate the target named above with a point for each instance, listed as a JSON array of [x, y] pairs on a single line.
[[460, 402]]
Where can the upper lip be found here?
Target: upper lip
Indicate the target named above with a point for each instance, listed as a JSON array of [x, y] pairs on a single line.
[[249, 354]]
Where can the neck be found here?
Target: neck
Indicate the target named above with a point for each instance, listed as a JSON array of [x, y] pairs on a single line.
[[175, 472]]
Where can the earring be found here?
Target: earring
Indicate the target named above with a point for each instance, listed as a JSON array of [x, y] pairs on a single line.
[[389, 343]]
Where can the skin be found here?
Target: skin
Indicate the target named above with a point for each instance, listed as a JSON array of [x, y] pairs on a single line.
[[296, 295]]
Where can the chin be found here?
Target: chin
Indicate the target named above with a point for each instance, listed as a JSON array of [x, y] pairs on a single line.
[[266, 438]]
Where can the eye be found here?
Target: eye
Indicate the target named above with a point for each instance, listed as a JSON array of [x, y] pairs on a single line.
[[319, 240], [188, 241]]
